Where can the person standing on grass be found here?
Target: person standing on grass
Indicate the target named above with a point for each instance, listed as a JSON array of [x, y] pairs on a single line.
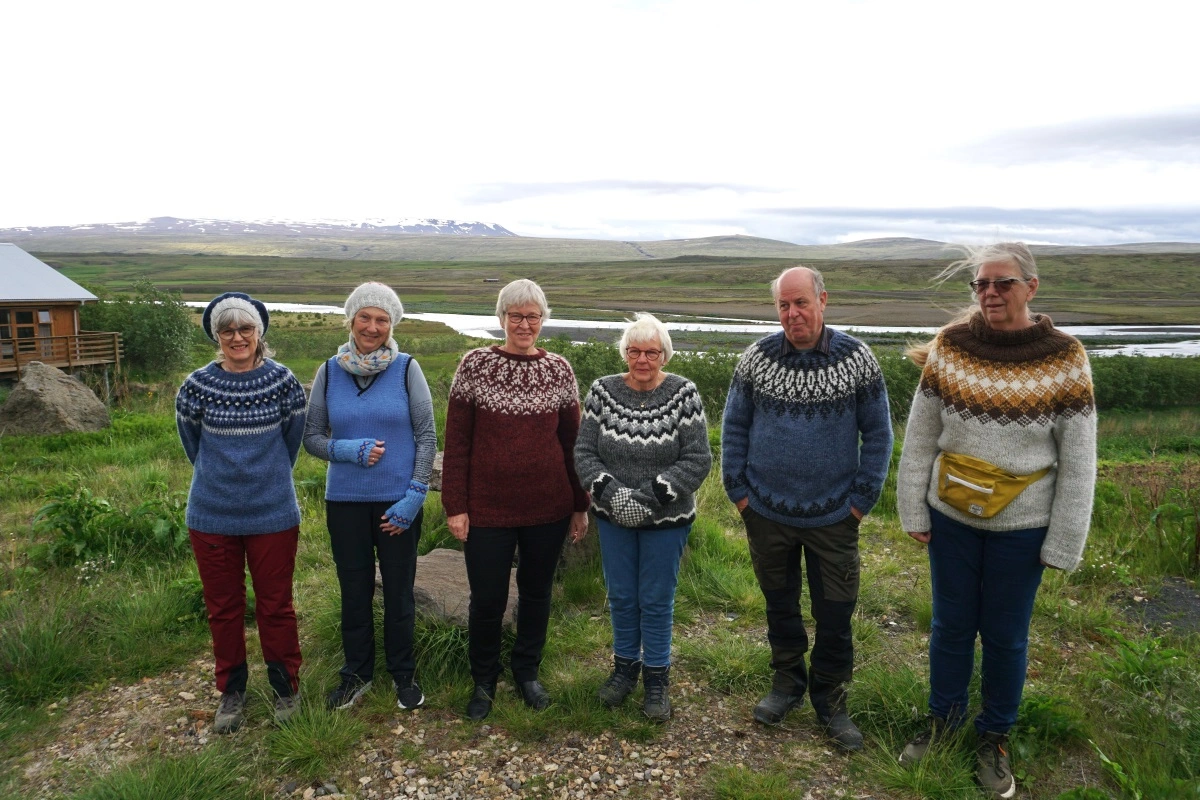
[[805, 446], [241, 420], [509, 486], [371, 418], [996, 478], [643, 452]]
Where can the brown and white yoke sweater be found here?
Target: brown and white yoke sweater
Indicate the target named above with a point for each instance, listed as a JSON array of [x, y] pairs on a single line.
[[511, 425], [1021, 400]]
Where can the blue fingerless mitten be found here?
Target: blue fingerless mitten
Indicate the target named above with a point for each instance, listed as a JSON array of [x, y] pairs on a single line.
[[405, 510], [356, 450]]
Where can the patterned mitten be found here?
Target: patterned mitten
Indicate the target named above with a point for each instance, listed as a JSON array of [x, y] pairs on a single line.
[[628, 512], [405, 510], [356, 450]]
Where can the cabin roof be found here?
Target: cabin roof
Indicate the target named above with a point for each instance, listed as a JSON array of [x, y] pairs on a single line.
[[24, 278]]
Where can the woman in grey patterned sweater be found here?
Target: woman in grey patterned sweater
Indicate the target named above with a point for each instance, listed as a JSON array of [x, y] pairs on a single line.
[[643, 452]]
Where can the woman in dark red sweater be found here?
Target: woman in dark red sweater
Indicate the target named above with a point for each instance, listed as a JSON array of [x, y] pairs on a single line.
[[509, 485]]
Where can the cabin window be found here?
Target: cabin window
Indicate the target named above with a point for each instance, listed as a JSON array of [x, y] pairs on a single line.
[[6, 347], [44, 317]]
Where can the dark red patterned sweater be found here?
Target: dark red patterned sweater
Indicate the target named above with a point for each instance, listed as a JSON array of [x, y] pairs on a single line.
[[510, 440]]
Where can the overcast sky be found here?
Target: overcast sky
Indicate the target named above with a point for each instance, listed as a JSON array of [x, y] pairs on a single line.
[[810, 122]]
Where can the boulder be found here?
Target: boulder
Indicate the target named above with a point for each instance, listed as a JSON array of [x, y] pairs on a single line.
[[48, 400], [435, 481], [441, 589]]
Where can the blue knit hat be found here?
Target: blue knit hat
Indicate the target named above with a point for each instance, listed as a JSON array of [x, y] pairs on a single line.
[[235, 300]]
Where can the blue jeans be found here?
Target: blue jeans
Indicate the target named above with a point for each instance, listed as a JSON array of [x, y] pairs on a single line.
[[984, 583], [641, 569]]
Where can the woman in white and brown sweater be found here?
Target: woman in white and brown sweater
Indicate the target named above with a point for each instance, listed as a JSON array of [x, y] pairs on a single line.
[[1003, 386]]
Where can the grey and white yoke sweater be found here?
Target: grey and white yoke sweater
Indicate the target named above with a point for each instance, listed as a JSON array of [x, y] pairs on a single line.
[[643, 455]]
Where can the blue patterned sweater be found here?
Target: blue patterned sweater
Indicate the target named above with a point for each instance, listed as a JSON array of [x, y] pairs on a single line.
[[242, 433], [806, 434]]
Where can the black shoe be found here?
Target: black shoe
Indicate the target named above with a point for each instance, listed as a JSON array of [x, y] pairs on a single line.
[[481, 702], [775, 706], [841, 730], [347, 694], [534, 695], [656, 705], [408, 694], [621, 682]]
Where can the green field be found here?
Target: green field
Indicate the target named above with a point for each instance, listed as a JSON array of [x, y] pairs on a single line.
[[1157, 289], [103, 639]]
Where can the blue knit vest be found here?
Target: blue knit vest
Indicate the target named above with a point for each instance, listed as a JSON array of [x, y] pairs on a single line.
[[380, 412]]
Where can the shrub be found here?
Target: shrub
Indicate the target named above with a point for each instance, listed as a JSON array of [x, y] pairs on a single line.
[[156, 327], [1133, 382]]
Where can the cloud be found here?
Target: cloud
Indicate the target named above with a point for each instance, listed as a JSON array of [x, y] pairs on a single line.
[[506, 192], [1167, 136]]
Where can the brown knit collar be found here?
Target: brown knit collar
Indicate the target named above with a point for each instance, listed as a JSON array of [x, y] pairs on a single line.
[[1039, 340], [541, 353]]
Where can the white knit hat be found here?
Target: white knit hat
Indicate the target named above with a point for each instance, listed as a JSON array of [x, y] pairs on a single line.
[[375, 295]]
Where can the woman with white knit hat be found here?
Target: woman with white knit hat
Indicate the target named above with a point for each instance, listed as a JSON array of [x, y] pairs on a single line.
[[241, 419], [371, 418]]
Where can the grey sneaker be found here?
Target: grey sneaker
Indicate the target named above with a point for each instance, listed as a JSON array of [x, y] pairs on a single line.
[[231, 712], [348, 694], [992, 771], [286, 708], [408, 696], [915, 750]]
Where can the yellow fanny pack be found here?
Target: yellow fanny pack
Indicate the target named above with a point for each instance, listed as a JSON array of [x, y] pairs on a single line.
[[976, 487]]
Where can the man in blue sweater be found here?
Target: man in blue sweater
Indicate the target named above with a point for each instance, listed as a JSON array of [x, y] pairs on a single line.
[[805, 444]]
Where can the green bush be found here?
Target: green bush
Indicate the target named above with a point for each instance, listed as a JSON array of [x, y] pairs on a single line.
[[1136, 382], [156, 327]]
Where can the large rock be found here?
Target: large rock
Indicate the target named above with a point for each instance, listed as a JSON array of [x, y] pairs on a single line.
[[441, 589], [48, 400]]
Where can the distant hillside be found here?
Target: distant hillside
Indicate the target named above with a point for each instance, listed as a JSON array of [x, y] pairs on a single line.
[[445, 241]]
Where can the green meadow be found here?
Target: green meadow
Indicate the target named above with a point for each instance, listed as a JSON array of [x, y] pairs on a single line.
[[102, 628]]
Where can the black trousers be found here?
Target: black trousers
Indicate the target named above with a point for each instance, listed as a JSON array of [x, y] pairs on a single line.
[[831, 557], [356, 540], [489, 556]]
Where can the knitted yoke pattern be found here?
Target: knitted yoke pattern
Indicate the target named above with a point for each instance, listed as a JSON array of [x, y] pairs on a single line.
[[242, 433], [790, 439], [511, 424], [1021, 400], [643, 455]]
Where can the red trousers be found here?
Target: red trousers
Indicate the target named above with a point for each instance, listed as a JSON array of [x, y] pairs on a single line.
[[222, 561]]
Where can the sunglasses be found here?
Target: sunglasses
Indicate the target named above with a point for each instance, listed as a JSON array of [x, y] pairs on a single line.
[[1003, 285]]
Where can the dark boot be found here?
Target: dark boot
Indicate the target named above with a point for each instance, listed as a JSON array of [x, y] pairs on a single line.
[[621, 682], [480, 704], [829, 701], [655, 704]]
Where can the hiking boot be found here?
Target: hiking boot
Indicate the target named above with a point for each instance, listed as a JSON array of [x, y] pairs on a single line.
[[775, 706], [348, 694], [408, 694], [231, 712], [286, 707], [655, 704], [915, 750], [992, 771], [621, 682], [841, 730], [534, 695], [480, 704]]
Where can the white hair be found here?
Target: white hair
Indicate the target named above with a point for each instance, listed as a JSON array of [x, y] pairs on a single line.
[[1016, 253], [518, 293], [644, 329], [234, 315], [818, 280]]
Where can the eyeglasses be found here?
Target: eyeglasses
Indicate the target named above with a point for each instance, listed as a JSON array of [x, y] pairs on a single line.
[[1003, 285], [517, 319], [633, 354], [246, 331]]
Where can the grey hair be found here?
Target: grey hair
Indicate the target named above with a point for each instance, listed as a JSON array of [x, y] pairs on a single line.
[[235, 317], [817, 278], [1016, 253], [645, 328], [518, 293]]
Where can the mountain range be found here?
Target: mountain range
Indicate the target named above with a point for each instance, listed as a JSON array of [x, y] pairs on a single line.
[[439, 240]]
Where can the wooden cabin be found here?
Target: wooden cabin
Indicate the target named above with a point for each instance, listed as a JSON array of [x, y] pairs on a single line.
[[39, 318]]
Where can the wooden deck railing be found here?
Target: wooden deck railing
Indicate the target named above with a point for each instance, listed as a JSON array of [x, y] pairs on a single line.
[[80, 350]]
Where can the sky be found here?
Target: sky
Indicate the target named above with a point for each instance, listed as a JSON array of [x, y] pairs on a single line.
[[808, 122]]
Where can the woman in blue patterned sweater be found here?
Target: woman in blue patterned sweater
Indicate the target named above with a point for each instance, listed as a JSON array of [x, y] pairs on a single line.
[[241, 419], [371, 418]]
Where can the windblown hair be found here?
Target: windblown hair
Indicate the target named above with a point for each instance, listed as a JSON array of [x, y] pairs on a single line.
[[644, 329], [235, 317], [1016, 253]]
